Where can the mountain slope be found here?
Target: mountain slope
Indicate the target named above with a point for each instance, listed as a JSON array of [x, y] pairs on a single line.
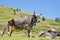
[[8, 13]]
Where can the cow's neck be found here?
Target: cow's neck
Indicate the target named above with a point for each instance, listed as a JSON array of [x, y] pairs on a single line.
[[31, 24]]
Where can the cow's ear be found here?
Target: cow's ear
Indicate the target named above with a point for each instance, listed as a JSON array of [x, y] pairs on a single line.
[[34, 12]]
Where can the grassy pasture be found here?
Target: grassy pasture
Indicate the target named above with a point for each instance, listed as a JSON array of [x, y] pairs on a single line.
[[6, 14]]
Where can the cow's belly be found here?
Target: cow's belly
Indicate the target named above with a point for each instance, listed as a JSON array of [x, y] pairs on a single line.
[[23, 26], [22, 23]]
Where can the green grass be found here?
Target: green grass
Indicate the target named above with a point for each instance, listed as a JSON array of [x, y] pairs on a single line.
[[6, 14], [21, 37]]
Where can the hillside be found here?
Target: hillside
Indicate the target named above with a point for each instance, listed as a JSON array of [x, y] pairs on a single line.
[[7, 13]]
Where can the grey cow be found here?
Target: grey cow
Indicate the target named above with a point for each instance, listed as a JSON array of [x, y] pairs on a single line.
[[23, 23]]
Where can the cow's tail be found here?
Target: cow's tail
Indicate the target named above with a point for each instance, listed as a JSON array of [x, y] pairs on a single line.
[[4, 31]]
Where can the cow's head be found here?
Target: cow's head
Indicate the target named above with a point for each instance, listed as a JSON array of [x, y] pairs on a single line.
[[52, 30], [36, 17]]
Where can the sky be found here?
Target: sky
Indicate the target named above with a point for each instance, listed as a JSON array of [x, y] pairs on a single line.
[[49, 8]]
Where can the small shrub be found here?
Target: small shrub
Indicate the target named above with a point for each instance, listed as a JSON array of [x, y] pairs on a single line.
[[57, 19], [43, 18]]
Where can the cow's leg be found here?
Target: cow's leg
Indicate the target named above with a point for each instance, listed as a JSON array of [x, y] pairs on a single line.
[[28, 33], [9, 30], [4, 31]]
